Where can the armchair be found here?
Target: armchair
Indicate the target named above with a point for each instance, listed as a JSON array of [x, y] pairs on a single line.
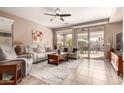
[[74, 55], [73, 52]]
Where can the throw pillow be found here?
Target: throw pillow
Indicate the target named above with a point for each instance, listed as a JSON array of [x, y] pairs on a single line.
[[40, 49], [8, 52], [65, 50], [2, 56], [30, 49], [47, 49], [74, 50]]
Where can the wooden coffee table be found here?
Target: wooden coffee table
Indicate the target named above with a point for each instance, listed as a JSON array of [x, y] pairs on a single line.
[[56, 58]]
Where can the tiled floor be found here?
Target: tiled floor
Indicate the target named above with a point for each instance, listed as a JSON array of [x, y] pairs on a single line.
[[31, 80], [90, 72], [93, 54], [94, 72]]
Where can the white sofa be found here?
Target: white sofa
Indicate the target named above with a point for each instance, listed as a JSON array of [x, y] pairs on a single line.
[[38, 52]]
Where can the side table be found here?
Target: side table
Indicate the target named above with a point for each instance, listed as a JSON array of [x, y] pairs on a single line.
[[13, 68]]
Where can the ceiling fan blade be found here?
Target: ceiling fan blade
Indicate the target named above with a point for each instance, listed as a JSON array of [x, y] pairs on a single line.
[[50, 14], [65, 15], [62, 19]]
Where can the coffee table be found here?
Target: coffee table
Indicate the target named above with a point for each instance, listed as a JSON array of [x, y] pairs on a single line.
[[56, 58]]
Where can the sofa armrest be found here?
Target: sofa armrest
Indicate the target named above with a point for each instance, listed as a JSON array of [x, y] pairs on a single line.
[[27, 56]]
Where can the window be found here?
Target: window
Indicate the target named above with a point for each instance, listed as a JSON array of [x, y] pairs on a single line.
[[60, 40], [64, 40]]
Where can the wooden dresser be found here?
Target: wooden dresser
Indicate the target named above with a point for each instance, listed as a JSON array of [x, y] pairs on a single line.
[[117, 62]]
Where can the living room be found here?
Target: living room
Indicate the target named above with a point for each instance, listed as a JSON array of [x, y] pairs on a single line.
[[45, 36]]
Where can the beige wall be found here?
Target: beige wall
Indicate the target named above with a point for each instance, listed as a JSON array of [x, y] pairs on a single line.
[[110, 34], [23, 30], [115, 29], [123, 36]]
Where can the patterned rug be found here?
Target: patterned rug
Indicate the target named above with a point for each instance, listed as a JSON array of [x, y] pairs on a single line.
[[53, 74]]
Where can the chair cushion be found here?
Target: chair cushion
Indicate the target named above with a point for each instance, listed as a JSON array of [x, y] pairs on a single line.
[[40, 50]]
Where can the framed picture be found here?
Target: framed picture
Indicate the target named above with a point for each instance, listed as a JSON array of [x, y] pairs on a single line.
[[37, 36], [6, 31]]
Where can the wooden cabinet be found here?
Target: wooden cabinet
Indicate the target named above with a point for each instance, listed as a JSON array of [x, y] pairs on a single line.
[[117, 62], [13, 68]]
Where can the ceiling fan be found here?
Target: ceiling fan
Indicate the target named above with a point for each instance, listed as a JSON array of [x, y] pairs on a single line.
[[58, 14]]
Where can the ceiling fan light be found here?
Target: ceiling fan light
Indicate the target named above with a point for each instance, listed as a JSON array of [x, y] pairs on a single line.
[[57, 11]]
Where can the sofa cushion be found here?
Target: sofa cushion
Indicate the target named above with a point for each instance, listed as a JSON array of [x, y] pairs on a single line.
[[40, 50], [40, 55], [28, 49], [32, 48], [35, 49]]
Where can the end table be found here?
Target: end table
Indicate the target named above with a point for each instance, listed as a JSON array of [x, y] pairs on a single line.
[[13, 68]]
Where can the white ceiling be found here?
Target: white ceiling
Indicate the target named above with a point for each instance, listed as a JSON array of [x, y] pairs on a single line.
[[79, 14], [117, 15]]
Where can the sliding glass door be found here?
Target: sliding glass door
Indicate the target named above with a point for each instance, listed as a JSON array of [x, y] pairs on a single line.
[[96, 45], [82, 41], [90, 42]]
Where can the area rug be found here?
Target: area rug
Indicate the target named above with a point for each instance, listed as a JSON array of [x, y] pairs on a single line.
[[53, 74]]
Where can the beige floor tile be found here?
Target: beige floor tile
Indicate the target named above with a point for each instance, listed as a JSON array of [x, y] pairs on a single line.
[[99, 82], [100, 76], [31, 80]]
